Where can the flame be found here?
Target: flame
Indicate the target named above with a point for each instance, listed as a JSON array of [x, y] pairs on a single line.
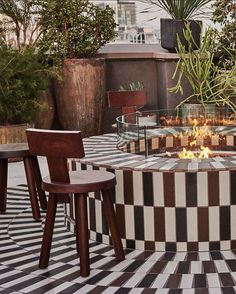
[[195, 133], [193, 143], [201, 128], [186, 154], [204, 152], [220, 119]]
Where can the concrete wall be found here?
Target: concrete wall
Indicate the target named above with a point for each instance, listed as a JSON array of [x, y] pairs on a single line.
[[149, 64]]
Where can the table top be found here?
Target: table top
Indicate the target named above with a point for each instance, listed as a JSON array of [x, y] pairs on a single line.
[[14, 150]]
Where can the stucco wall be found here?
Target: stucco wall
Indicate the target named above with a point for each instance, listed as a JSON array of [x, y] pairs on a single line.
[[147, 63]]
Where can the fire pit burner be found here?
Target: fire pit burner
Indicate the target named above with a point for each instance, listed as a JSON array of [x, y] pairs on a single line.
[[214, 154], [191, 136]]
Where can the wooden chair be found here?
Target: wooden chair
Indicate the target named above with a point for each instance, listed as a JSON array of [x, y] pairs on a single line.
[[128, 101], [57, 146], [33, 176]]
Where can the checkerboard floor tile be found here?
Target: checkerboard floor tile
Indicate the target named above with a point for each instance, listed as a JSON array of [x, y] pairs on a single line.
[[141, 271]]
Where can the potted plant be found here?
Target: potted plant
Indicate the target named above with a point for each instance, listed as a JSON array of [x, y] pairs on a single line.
[[72, 32], [182, 13], [22, 77], [201, 71]]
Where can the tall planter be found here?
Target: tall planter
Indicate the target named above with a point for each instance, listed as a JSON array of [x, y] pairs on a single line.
[[13, 133], [80, 96], [170, 28]]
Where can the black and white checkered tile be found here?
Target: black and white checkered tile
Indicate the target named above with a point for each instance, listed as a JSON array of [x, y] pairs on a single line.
[[141, 271], [163, 203]]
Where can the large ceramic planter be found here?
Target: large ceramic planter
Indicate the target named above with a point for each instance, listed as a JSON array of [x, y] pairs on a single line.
[[80, 96], [170, 28]]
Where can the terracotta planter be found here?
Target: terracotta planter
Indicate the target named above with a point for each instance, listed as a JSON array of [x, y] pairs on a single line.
[[170, 28], [13, 133], [80, 96]]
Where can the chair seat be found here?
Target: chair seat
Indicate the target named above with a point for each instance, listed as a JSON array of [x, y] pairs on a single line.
[[81, 182]]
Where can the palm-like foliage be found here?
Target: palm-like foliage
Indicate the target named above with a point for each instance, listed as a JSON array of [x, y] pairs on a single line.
[[180, 9], [20, 20]]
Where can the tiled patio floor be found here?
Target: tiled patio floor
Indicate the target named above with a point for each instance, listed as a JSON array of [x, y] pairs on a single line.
[[141, 272]]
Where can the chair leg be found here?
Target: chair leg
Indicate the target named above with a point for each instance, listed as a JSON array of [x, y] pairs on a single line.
[[112, 223], [81, 222], [31, 186], [3, 184], [38, 181], [48, 231]]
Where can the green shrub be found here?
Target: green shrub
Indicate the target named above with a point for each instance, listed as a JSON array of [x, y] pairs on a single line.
[[22, 76], [225, 14], [75, 28]]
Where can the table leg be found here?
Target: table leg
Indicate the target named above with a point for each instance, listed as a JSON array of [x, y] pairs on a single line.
[[31, 186], [38, 181], [3, 184]]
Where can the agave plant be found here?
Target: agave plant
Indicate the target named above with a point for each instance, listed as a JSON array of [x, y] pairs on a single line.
[[180, 9]]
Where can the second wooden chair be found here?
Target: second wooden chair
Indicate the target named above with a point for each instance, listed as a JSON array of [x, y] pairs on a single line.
[[58, 146]]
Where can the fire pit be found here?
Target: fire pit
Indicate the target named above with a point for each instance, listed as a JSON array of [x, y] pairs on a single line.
[[164, 202], [188, 137]]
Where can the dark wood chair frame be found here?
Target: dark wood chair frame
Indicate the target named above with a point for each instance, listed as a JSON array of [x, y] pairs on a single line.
[[33, 176], [128, 101], [58, 146]]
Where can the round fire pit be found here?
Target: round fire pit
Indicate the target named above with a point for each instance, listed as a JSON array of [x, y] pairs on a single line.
[[165, 203]]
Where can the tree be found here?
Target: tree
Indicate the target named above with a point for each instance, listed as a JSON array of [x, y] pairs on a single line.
[[225, 14], [21, 20]]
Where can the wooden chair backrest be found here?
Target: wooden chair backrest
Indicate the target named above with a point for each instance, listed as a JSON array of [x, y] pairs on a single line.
[[57, 146], [129, 101]]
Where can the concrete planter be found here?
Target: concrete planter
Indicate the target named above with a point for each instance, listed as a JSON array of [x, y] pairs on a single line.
[[170, 28], [80, 96]]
